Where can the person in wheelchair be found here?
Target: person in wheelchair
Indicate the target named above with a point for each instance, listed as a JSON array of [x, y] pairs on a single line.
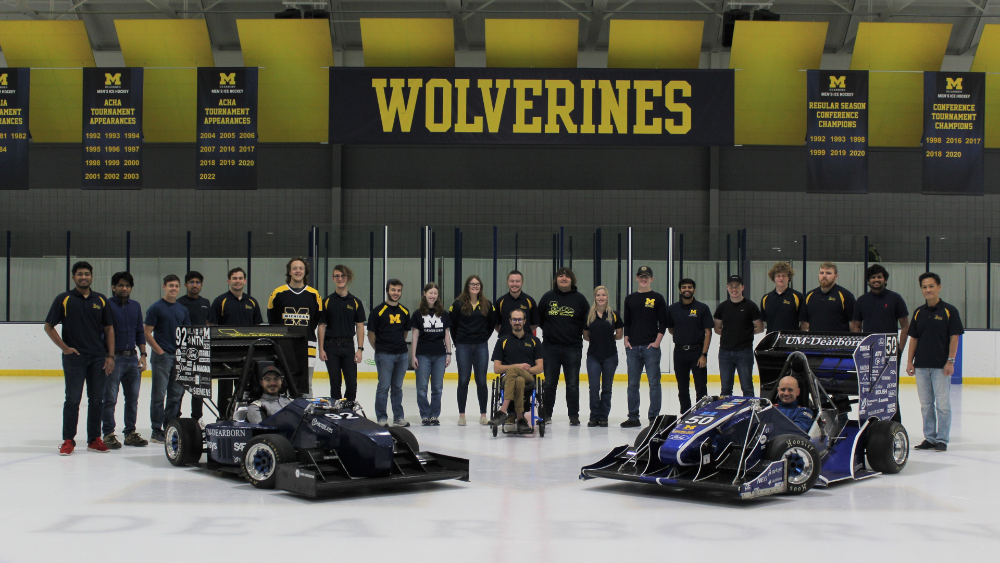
[[788, 405], [272, 382], [517, 357]]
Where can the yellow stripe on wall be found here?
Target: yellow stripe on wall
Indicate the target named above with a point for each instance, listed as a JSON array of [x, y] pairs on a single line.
[[896, 99], [408, 42], [770, 87], [532, 43], [988, 60], [56, 95], [294, 87], [170, 95], [654, 43]]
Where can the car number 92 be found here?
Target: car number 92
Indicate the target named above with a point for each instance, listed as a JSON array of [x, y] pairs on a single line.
[[343, 416]]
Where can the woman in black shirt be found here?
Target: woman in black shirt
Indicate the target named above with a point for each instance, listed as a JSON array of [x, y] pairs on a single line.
[[430, 352], [472, 321], [603, 328]]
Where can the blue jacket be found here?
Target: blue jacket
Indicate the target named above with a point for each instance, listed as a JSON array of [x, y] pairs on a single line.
[[801, 416]]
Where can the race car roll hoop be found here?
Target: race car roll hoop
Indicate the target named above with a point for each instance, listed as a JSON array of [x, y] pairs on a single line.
[[745, 446], [311, 446]]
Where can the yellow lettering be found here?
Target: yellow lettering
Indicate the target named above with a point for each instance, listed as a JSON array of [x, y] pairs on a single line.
[[685, 110], [588, 106], [522, 105], [556, 111], [642, 106], [461, 125], [3, 102], [397, 107], [611, 108], [445, 87], [112, 102], [494, 110], [3, 79], [227, 102]]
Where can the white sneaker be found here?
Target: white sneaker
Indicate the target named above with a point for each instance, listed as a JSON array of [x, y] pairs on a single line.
[[201, 422], [461, 421], [483, 419], [401, 423], [383, 422]]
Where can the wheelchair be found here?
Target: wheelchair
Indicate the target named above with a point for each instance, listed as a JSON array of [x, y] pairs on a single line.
[[534, 406]]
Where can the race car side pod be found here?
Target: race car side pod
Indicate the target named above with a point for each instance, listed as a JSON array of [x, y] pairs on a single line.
[[241, 386]]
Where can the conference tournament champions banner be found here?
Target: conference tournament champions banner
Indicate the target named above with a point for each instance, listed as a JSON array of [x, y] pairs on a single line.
[[531, 106], [14, 128], [953, 132], [227, 128], [837, 131], [112, 128]]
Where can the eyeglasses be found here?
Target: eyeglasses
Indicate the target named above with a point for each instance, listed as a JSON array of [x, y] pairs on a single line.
[[339, 277], [272, 379], [475, 285], [517, 321]]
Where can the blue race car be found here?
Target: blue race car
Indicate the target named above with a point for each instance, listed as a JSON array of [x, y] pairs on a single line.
[[745, 446]]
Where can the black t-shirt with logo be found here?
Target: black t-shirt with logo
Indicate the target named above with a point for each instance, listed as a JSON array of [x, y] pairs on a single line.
[[295, 307], [645, 317], [474, 328], [880, 312], [689, 322], [602, 335], [390, 323], [431, 326], [933, 328], [83, 320], [229, 310], [830, 311], [562, 316], [780, 311], [511, 350], [506, 304], [737, 323], [342, 315]]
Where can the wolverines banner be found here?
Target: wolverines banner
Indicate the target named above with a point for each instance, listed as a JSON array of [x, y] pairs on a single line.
[[112, 128], [531, 106], [953, 132], [837, 131], [14, 128], [227, 128]]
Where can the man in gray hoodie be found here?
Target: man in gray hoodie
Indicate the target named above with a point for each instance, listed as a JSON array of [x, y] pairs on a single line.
[[271, 381]]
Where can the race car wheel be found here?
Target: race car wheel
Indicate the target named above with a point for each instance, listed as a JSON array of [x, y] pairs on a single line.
[[262, 457], [803, 461], [888, 447], [183, 442], [642, 436], [404, 436]]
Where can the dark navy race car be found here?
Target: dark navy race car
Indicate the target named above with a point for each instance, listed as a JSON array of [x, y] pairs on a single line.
[[746, 447]]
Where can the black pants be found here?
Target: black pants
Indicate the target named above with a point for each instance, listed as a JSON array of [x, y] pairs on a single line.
[[565, 359], [196, 407], [227, 388], [686, 362], [340, 359]]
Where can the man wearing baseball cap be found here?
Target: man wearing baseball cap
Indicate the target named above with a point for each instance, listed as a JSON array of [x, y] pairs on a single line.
[[645, 318], [736, 321]]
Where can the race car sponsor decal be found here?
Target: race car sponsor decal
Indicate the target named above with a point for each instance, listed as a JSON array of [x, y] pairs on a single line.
[[318, 424], [194, 364], [226, 432], [771, 481], [797, 341], [877, 368]]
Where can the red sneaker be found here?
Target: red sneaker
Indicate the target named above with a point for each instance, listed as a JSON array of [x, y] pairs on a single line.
[[97, 446], [67, 447]]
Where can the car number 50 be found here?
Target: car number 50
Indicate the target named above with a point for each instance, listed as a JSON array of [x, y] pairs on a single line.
[[702, 420]]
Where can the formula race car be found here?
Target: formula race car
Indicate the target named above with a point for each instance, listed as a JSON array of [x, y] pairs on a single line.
[[745, 446], [311, 446]]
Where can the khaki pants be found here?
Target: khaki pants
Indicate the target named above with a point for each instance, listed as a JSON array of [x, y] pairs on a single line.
[[516, 384]]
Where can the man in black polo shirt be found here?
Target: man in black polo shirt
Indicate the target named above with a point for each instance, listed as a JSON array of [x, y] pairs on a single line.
[[342, 321], [233, 308], [736, 321], [690, 322], [388, 324], [198, 308], [519, 355], [934, 333], [645, 317], [829, 307], [780, 308], [88, 347], [515, 299], [881, 310]]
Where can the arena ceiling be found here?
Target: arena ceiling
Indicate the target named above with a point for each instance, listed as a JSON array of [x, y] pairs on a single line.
[[966, 16]]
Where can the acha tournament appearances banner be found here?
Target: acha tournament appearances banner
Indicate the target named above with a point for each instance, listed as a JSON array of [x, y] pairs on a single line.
[[112, 128], [837, 131], [953, 132], [14, 128], [531, 106], [227, 128]]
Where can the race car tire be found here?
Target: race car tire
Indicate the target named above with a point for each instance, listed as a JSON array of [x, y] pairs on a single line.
[[804, 463], [888, 447], [404, 436], [642, 436], [261, 458], [183, 443]]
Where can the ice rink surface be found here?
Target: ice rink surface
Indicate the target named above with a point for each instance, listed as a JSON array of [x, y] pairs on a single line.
[[524, 501]]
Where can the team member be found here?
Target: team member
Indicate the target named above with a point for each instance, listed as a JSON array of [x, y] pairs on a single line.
[[736, 321], [430, 352], [520, 356], [297, 304], [880, 310], [788, 405], [341, 323], [515, 299], [388, 324], [780, 308], [88, 347], [272, 401], [645, 316], [129, 334], [472, 322], [233, 308], [562, 313], [690, 322], [198, 308], [934, 333], [603, 328], [162, 320], [829, 307]]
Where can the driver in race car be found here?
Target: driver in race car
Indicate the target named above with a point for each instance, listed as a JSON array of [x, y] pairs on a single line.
[[272, 401], [788, 395]]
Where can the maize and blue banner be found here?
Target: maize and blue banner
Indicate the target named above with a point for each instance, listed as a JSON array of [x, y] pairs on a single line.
[[227, 128], [112, 128], [954, 116], [837, 131], [14, 83]]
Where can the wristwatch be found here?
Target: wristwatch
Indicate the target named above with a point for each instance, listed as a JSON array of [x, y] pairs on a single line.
[[361, 348], [705, 354], [952, 360], [143, 354]]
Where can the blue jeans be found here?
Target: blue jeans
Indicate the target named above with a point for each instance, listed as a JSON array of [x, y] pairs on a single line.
[[79, 369], [127, 374], [732, 361], [471, 356], [566, 359], [391, 370], [601, 374], [638, 357], [934, 391], [430, 368], [164, 385]]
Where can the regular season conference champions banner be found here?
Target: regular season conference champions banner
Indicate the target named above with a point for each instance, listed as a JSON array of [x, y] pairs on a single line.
[[112, 128], [953, 132], [837, 131], [531, 106]]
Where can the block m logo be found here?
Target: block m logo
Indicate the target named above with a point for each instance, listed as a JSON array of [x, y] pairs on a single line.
[[112, 79], [225, 79], [394, 320], [838, 82], [953, 83], [3, 79]]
